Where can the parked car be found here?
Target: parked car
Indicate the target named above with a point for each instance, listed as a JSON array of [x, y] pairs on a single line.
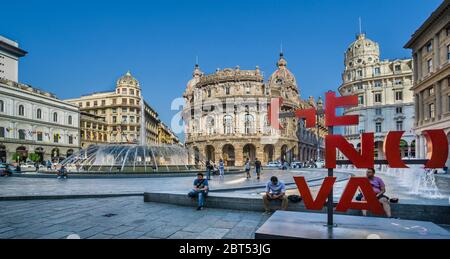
[[296, 164], [275, 164], [320, 164]]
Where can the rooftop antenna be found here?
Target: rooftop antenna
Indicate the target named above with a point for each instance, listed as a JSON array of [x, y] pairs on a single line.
[[196, 60], [281, 47]]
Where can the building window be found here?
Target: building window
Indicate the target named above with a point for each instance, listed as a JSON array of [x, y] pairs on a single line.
[[114, 110], [55, 117], [2, 132], [227, 90], [398, 82], [95, 103], [360, 99], [399, 125], [55, 138], [378, 127], [448, 52], [124, 101], [124, 91], [209, 92], [210, 126], [69, 120], [21, 110], [359, 73], [80, 105], [378, 98], [378, 83], [399, 96], [88, 104], [359, 86], [431, 91], [39, 114], [131, 91], [247, 89], [376, 71], [429, 65], [249, 124], [114, 119], [114, 101], [70, 139], [432, 111], [378, 111], [22, 134], [429, 46], [228, 124], [103, 102], [399, 110], [398, 68], [39, 136], [2, 106]]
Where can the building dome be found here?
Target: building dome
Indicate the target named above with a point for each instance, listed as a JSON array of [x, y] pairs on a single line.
[[362, 51], [282, 76], [127, 80]]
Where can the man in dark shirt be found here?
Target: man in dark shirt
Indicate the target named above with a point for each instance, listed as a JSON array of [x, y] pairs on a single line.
[[200, 190], [258, 168]]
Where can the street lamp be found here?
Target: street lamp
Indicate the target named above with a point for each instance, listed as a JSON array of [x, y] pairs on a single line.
[[320, 112]]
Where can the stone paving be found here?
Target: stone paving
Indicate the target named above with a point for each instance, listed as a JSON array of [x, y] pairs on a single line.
[[129, 218], [24, 186]]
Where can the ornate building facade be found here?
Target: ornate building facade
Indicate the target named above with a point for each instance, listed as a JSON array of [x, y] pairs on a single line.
[[225, 115], [430, 45], [120, 113], [386, 102]]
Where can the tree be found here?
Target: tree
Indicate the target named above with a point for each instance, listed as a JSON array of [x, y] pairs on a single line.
[[16, 157], [34, 157]]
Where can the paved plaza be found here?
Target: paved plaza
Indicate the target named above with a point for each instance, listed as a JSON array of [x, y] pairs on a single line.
[[123, 218]]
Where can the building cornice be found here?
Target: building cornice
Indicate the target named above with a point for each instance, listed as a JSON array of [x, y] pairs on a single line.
[[12, 49]]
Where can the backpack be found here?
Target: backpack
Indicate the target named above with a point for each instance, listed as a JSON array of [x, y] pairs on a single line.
[[294, 198]]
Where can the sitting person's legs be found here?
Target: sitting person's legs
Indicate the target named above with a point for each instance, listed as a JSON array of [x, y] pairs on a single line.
[[266, 200], [284, 202], [386, 206]]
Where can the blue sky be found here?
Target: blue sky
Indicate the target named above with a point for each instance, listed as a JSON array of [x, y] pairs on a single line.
[[79, 47]]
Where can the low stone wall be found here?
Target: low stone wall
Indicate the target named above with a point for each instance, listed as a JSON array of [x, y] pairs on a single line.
[[435, 213]]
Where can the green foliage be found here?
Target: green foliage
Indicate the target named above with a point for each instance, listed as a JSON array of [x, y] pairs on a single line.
[[34, 157]]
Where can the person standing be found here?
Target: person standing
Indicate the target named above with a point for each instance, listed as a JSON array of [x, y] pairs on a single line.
[[221, 168], [247, 168], [258, 168], [208, 170]]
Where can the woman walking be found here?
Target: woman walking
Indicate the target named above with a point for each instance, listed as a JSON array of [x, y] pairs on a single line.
[[247, 168]]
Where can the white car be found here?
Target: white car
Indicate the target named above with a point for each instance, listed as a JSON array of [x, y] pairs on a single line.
[[274, 164], [320, 164]]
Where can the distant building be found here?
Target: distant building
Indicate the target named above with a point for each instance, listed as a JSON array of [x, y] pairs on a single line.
[[166, 135], [93, 130], [9, 59], [34, 121], [386, 102], [430, 45], [115, 117]]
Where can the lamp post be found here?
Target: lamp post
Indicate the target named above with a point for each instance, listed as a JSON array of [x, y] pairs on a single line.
[[320, 112]]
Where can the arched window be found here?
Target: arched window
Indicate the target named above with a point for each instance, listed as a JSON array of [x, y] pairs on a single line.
[[228, 124], [55, 117], [69, 120], [21, 110], [210, 123], [2, 106], [39, 114], [249, 124]]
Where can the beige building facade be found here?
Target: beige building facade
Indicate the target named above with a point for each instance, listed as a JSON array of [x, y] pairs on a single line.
[[226, 115], [118, 113], [430, 46], [385, 99]]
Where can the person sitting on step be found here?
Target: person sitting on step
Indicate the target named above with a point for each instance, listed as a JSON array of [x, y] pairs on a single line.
[[275, 190], [200, 190]]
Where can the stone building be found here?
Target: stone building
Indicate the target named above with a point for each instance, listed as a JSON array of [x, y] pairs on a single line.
[[93, 129], [386, 102], [166, 135], [226, 115], [430, 45], [34, 121], [121, 113]]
